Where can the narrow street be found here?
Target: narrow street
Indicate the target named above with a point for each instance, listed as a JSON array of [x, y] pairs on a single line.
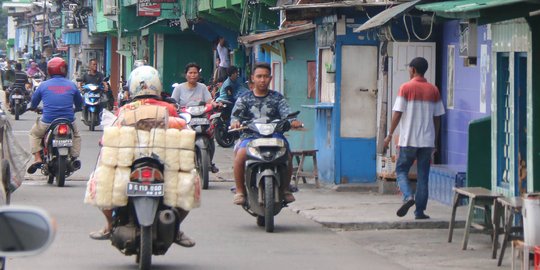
[[227, 237]]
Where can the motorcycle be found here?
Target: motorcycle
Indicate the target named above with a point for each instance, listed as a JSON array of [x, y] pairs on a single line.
[[19, 99], [222, 135], [266, 168], [36, 81], [145, 226], [108, 97], [199, 117], [57, 160], [93, 106]]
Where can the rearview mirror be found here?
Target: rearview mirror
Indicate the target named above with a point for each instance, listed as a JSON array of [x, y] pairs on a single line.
[[294, 114], [24, 231]]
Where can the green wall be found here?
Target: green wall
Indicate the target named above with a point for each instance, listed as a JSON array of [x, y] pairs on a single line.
[[298, 51], [180, 50]]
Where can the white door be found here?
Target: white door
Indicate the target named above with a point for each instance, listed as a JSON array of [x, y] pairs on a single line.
[[358, 91], [159, 53]]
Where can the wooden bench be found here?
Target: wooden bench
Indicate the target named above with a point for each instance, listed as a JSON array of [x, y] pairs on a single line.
[[509, 207], [478, 196], [298, 170]]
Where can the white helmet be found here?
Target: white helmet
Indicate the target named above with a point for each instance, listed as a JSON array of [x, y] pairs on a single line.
[[144, 81]]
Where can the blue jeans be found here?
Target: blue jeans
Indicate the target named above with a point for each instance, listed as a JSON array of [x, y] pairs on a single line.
[[407, 155]]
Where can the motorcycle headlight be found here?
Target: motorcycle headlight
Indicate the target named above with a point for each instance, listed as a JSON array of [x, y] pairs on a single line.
[[92, 87], [254, 151], [265, 129], [196, 110]]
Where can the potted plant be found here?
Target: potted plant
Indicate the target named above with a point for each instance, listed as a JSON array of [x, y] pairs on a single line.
[[330, 72]]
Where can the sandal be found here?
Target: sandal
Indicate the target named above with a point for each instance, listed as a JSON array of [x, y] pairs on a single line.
[[33, 168], [288, 197], [239, 198], [183, 240], [102, 234]]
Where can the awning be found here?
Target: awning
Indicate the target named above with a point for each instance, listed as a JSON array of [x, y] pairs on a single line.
[[72, 38], [338, 4], [386, 15], [486, 11], [270, 36]]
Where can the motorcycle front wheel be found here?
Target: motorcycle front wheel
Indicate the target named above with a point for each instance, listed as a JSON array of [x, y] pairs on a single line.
[[203, 165], [92, 121], [145, 250], [269, 204], [16, 108]]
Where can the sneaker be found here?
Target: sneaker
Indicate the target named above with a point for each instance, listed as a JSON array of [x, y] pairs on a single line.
[[183, 240], [402, 211], [421, 216]]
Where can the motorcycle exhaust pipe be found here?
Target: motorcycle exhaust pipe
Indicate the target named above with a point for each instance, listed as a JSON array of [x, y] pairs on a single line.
[[75, 165], [166, 227]]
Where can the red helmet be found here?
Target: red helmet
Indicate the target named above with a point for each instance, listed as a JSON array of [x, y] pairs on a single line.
[[57, 66]]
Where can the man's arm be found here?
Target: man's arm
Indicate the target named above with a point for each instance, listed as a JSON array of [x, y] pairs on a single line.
[[77, 100], [396, 117], [238, 109], [437, 124]]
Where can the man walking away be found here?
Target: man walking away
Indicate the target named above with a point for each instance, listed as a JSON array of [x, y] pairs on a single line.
[[418, 107]]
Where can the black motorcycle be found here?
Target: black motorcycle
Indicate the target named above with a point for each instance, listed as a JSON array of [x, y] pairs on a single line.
[[145, 226], [19, 99], [221, 123], [266, 169], [57, 160]]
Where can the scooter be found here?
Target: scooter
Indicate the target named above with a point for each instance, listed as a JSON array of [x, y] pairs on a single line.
[[92, 105], [37, 79], [19, 99], [221, 122], [57, 160], [145, 226], [198, 117], [266, 169]]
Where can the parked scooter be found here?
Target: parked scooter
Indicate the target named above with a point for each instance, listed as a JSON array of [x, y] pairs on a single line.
[[57, 160], [19, 99], [221, 123], [266, 169], [93, 106], [199, 117], [145, 226]]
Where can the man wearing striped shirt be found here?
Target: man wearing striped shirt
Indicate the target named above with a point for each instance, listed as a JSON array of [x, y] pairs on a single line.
[[417, 110]]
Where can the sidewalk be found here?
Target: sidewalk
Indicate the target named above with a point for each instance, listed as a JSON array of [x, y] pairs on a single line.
[[351, 208]]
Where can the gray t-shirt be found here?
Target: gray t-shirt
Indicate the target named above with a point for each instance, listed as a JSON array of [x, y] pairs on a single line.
[[184, 95]]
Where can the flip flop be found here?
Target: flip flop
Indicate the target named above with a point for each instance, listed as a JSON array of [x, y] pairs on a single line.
[[102, 234], [288, 197], [239, 198], [183, 240], [33, 168]]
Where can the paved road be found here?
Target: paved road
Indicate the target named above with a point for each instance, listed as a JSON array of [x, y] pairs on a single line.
[[227, 237]]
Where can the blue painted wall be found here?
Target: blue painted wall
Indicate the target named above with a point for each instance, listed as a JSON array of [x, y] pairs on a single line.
[[455, 123]]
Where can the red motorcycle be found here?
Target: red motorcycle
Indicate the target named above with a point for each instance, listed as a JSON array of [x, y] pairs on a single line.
[[200, 116]]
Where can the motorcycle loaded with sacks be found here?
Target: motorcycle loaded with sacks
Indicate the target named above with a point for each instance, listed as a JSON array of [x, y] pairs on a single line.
[[146, 174], [266, 168]]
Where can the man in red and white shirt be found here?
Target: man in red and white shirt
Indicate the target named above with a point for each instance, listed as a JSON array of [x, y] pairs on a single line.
[[417, 110]]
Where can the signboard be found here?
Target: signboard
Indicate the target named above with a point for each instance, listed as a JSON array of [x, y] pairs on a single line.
[[148, 8]]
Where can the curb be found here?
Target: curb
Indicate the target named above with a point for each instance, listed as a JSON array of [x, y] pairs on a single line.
[[406, 225]]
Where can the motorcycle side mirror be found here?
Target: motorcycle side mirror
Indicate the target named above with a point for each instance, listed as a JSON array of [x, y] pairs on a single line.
[[24, 231], [294, 114]]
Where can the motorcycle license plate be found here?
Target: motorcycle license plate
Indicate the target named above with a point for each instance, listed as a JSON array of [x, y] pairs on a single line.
[[17, 97], [199, 121], [135, 189], [62, 143]]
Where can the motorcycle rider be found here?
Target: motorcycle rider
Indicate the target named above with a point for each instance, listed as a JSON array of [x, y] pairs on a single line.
[[21, 80], [59, 95], [259, 103], [93, 76], [145, 88], [232, 88], [8, 77], [193, 91], [33, 69]]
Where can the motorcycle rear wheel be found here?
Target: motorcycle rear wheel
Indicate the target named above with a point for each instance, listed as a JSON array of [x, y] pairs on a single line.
[[223, 137], [61, 171], [269, 204], [145, 249]]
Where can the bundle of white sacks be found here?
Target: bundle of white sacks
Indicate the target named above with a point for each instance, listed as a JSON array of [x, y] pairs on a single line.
[[122, 145]]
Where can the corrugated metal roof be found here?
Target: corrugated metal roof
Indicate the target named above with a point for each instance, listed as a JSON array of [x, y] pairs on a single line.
[[386, 15], [270, 36], [337, 4]]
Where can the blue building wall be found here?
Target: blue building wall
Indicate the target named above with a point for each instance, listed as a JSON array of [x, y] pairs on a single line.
[[455, 123]]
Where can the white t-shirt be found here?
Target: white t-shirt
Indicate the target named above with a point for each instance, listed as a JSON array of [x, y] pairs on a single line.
[[223, 53], [183, 94], [419, 101]]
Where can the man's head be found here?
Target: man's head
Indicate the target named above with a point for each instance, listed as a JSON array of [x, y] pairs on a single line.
[[418, 66], [92, 65], [261, 76], [232, 72], [221, 41], [18, 67]]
